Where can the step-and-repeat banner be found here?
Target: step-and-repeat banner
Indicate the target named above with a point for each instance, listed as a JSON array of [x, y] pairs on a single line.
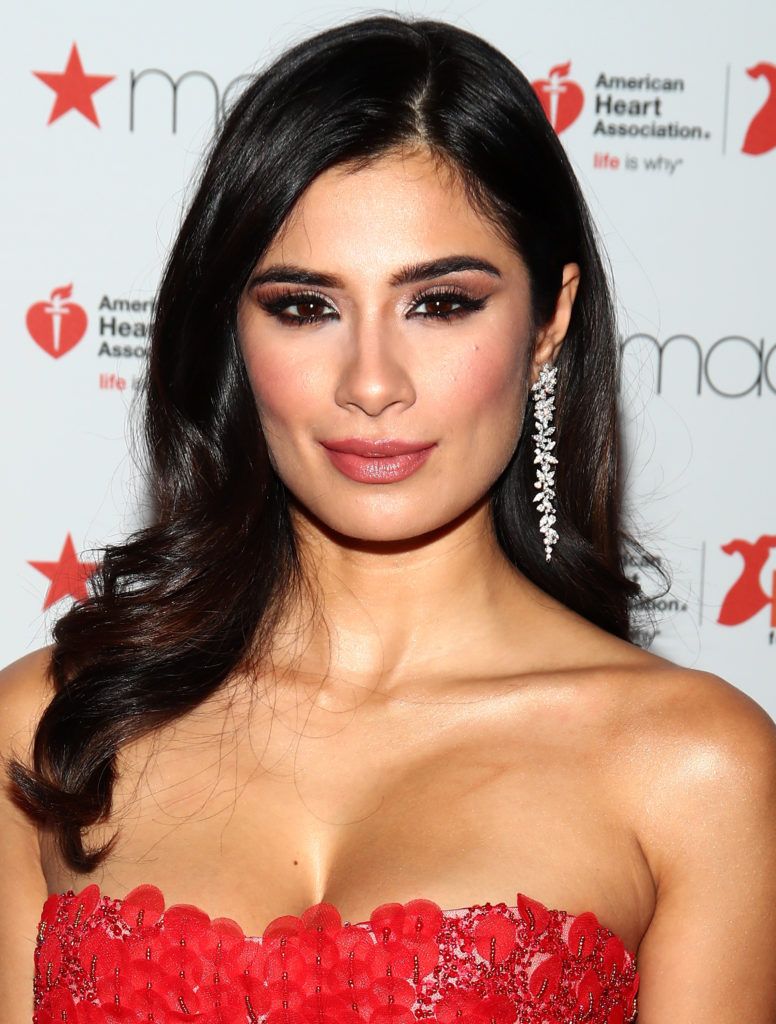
[[668, 112]]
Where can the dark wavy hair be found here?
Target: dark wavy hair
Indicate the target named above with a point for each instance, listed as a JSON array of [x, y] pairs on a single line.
[[186, 600]]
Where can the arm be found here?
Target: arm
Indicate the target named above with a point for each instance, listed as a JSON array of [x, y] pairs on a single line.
[[709, 832], [23, 890]]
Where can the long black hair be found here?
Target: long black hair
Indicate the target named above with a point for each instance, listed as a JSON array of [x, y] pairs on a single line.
[[177, 608]]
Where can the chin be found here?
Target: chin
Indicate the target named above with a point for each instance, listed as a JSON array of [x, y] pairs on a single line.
[[380, 525]]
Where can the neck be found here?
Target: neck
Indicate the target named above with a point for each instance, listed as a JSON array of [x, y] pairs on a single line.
[[395, 615]]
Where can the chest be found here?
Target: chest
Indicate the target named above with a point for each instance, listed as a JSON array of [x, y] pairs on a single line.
[[460, 807], [410, 962]]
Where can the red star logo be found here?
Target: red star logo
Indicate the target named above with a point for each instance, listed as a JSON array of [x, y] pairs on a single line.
[[73, 88], [68, 575]]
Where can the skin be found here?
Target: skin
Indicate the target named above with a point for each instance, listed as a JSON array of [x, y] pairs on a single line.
[[432, 724], [388, 556]]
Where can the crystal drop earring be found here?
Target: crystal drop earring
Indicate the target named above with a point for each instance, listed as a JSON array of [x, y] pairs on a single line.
[[544, 403]]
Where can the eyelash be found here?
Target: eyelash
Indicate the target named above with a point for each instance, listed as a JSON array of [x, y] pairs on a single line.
[[275, 306]]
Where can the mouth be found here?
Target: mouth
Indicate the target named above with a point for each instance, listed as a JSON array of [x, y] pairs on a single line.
[[380, 461], [377, 447]]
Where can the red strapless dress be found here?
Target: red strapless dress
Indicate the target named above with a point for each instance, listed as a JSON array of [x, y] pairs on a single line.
[[100, 960]]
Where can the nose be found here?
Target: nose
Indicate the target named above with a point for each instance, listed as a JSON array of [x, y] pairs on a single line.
[[375, 374]]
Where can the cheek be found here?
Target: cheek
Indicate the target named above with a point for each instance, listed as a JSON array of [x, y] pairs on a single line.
[[283, 388], [485, 385], [471, 385]]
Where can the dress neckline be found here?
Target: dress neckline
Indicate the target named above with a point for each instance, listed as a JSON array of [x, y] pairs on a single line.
[[525, 906]]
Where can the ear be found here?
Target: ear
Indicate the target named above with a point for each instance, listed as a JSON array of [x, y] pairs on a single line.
[[550, 337]]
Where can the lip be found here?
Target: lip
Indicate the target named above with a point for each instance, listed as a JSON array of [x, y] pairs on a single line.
[[377, 462], [377, 447]]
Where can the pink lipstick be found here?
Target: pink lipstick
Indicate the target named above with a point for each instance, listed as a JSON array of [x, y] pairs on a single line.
[[380, 461]]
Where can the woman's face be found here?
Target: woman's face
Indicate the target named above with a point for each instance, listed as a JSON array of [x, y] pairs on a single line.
[[348, 337]]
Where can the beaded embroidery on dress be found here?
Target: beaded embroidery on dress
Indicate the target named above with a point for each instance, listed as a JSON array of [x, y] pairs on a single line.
[[100, 960]]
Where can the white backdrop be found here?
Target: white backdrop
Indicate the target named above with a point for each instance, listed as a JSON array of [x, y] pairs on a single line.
[[668, 112]]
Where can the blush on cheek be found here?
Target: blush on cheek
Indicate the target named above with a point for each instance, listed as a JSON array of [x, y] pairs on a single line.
[[289, 398], [488, 376], [487, 400], [272, 380], [287, 393]]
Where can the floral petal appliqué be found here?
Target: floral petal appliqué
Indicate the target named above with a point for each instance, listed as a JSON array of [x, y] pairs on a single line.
[[100, 960]]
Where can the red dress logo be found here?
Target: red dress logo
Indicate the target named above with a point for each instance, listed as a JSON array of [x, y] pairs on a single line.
[[561, 98], [57, 325], [761, 133], [746, 597]]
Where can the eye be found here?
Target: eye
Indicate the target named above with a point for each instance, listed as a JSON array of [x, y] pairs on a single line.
[[446, 297], [303, 304]]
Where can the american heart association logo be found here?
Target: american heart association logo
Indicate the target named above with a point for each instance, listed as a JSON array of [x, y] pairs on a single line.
[[561, 98], [57, 325]]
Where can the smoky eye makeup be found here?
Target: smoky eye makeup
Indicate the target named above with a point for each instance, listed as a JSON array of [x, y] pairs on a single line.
[[444, 302], [275, 304]]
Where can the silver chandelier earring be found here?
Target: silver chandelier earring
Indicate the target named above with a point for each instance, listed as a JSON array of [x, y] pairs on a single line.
[[544, 403]]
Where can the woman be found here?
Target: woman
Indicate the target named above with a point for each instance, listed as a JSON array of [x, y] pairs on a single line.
[[363, 711]]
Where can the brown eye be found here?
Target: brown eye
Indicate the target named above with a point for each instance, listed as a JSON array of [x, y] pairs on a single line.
[[444, 303], [447, 304], [305, 308]]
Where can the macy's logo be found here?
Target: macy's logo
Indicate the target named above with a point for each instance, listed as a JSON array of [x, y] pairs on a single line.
[[67, 576], [57, 325], [74, 90], [761, 133], [746, 597], [561, 98]]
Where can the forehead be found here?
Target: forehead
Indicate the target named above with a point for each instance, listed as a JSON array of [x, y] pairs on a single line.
[[398, 205]]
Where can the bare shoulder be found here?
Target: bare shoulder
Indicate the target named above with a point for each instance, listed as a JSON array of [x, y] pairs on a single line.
[[698, 718], [684, 743], [697, 766], [702, 758], [25, 690], [728, 739], [691, 717]]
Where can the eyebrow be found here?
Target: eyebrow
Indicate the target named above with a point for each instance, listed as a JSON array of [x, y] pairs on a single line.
[[411, 273]]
